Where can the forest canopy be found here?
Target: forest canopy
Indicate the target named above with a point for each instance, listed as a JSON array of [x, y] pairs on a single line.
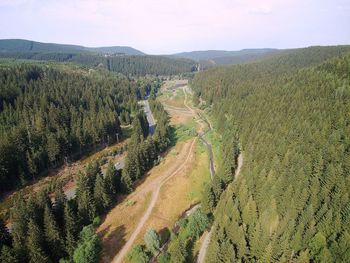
[[291, 201], [50, 115]]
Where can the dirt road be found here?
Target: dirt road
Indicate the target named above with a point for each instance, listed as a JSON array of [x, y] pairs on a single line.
[[156, 186], [152, 186]]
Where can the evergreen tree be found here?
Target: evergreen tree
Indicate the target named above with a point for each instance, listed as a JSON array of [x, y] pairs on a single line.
[[35, 244], [89, 247], [5, 238], [53, 238], [58, 208], [8, 255], [177, 250], [102, 197], [152, 240], [208, 199], [71, 229], [85, 200]]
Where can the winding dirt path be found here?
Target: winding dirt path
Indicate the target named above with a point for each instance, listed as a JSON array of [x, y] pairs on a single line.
[[154, 187]]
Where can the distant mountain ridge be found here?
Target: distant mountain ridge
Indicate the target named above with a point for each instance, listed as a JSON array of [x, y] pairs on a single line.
[[22, 45], [208, 58]]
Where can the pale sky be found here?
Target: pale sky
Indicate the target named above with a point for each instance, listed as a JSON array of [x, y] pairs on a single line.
[[169, 26]]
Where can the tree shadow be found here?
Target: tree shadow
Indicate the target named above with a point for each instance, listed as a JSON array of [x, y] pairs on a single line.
[[112, 242]]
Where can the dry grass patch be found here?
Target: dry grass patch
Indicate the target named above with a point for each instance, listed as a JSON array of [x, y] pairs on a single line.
[[179, 193], [119, 224]]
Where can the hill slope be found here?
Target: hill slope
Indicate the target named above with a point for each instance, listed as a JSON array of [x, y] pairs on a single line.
[[222, 57], [105, 57], [21, 45], [291, 201]]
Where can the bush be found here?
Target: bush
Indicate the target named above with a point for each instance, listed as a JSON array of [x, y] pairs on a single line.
[[164, 258], [152, 240], [138, 254], [97, 221]]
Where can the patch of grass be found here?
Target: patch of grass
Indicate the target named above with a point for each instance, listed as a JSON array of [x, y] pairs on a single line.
[[119, 224], [130, 203], [200, 173], [183, 132], [179, 193]]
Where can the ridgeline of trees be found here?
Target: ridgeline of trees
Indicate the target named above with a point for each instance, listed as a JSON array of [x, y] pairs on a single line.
[[49, 116], [291, 201], [127, 65]]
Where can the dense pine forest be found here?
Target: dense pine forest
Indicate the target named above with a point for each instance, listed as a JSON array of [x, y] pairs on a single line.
[[128, 65], [51, 114], [291, 200]]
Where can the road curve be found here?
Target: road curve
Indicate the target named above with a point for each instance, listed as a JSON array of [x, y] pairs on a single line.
[[122, 253]]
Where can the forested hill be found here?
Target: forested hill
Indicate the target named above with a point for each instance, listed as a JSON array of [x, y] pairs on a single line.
[[291, 200], [123, 60], [127, 65], [222, 57], [21, 45], [51, 114]]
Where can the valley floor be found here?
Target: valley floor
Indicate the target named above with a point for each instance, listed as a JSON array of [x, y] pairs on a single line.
[[169, 188]]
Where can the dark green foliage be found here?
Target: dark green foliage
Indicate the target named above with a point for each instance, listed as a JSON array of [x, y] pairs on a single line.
[[143, 152], [35, 243], [138, 254], [290, 202], [125, 60], [112, 180], [49, 116], [208, 199], [22, 45], [8, 255], [71, 229], [197, 223], [19, 218], [89, 246], [59, 204], [5, 238], [85, 197], [164, 257], [53, 236], [102, 197], [177, 250], [181, 243]]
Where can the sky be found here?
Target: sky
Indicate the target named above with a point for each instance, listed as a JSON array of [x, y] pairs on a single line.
[[170, 26]]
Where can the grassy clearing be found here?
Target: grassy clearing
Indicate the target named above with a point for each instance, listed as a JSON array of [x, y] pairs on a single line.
[[119, 225], [179, 193], [185, 131], [172, 97]]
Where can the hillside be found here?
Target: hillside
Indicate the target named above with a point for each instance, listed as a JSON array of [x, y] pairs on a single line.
[[290, 202], [51, 114], [222, 57], [21, 45], [123, 60]]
